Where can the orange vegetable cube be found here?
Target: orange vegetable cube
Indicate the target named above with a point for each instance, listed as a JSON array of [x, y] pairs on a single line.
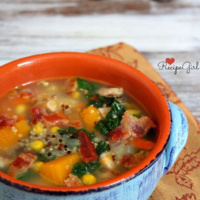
[[143, 144], [56, 171], [11, 135], [90, 116]]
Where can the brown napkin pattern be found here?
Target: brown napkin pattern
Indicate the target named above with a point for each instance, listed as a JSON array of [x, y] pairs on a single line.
[[182, 182]]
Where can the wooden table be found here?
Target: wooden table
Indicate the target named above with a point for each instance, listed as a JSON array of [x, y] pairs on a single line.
[[158, 30]]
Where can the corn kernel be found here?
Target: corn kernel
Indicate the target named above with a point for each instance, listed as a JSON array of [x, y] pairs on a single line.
[[54, 129], [36, 166], [37, 145], [76, 95], [38, 128], [89, 179], [21, 109], [133, 112]]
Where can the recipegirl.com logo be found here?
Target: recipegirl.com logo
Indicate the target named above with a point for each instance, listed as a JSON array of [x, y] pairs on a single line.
[[169, 64]]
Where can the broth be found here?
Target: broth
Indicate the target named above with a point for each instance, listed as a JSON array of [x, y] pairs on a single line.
[[71, 132]]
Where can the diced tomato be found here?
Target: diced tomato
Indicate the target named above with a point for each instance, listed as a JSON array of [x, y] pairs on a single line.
[[21, 163], [36, 114], [7, 121], [87, 149], [116, 134]]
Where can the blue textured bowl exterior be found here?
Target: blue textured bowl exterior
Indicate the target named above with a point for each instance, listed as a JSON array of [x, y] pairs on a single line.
[[138, 187]]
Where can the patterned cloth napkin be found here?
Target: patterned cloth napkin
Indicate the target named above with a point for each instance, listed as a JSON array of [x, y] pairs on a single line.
[[182, 182]]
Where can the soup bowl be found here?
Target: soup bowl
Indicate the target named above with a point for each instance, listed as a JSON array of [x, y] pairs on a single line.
[[137, 183]]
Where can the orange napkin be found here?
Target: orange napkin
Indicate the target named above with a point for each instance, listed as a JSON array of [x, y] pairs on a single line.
[[182, 182]]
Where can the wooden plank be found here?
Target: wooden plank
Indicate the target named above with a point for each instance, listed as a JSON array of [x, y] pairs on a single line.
[[159, 30]]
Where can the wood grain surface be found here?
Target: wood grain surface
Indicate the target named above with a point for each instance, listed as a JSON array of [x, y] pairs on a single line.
[[158, 29]]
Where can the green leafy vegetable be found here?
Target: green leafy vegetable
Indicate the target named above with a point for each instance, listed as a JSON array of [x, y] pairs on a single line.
[[73, 132], [114, 116], [80, 169], [102, 146], [98, 101], [25, 176], [45, 158], [112, 119], [102, 127], [84, 85], [70, 130]]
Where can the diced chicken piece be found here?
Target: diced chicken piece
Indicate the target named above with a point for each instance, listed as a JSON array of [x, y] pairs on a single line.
[[72, 181], [136, 127], [52, 105], [130, 161], [108, 174], [70, 86], [4, 162], [104, 111], [21, 163], [117, 92], [106, 160], [26, 94]]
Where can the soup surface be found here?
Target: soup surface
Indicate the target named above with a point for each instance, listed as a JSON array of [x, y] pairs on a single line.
[[71, 132]]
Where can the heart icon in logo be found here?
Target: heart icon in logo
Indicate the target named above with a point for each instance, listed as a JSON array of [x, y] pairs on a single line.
[[170, 60]]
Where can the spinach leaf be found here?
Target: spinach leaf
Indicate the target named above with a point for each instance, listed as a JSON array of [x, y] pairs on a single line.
[[80, 169], [84, 85], [112, 119], [102, 146], [98, 101]]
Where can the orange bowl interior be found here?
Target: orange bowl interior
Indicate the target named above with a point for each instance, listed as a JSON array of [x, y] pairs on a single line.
[[60, 65]]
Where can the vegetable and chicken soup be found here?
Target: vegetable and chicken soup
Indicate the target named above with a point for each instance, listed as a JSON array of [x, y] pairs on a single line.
[[71, 132]]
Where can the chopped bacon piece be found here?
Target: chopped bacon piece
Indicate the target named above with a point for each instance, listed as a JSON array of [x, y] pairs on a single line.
[[130, 161], [136, 127], [60, 118], [36, 114], [72, 181], [70, 86], [21, 163], [87, 149], [117, 92], [117, 134], [7, 121], [56, 118]]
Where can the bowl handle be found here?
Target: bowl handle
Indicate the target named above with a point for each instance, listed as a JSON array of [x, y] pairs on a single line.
[[178, 136]]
